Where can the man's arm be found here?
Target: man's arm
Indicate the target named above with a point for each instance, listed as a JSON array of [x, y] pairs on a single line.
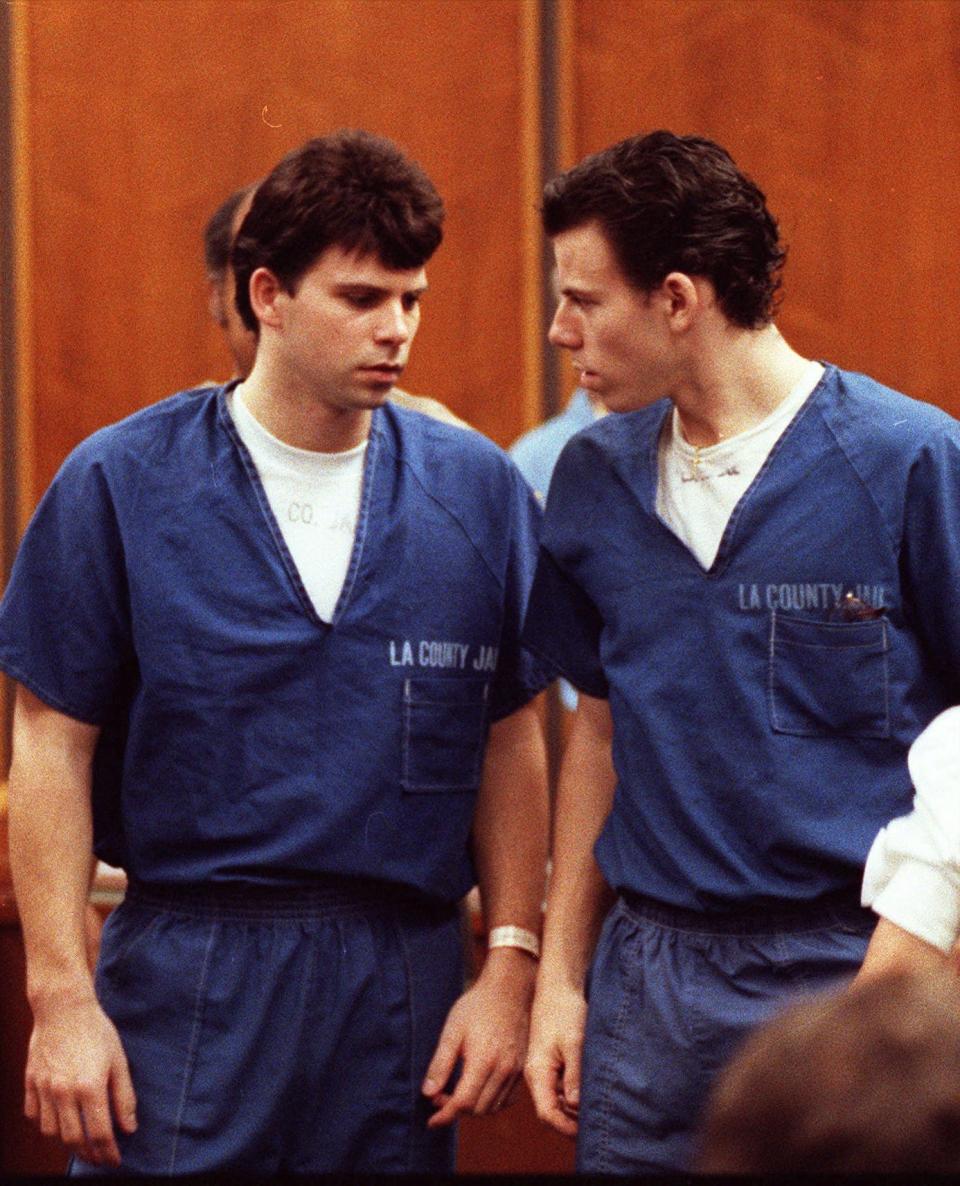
[[487, 1027], [912, 876], [892, 949], [76, 1067], [577, 903]]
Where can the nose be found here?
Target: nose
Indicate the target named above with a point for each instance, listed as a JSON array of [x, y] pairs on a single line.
[[563, 332], [394, 325]]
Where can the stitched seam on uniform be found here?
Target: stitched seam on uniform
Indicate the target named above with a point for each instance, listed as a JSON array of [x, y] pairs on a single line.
[[363, 519], [411, 470], [618, 1030], [12, 669], [192, 1046], [300, 1079], [726, 540], [886, 680], [884, 731], [771, 679], [276, 532], [412, 1034], [140, 933], [895, 543]]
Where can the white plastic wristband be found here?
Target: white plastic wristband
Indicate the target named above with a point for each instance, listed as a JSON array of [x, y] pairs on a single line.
[[514, 937]]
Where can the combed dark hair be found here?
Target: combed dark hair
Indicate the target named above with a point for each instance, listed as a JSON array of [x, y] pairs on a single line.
[[859, 1081], [218, 233], [352, 189], [671, 203]]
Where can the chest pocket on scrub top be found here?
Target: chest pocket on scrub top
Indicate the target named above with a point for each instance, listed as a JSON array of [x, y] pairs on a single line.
[[444, 725], [829, 679]]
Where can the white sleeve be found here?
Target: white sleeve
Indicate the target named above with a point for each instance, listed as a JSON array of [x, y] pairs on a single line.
[[912, 876]]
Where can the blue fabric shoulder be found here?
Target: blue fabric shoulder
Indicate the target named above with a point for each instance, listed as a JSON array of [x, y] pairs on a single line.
[[65, 627], [151, 433], [901, 449], [620, 444], [463, 472]]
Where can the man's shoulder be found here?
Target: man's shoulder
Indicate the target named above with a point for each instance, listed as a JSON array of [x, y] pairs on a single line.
[[613, 439], [857, 405], [149, 431], [435, 447], [427, 406], [465, 474]]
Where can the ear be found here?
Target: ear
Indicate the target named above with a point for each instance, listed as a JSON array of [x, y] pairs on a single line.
[[266, 297], [682, 300]]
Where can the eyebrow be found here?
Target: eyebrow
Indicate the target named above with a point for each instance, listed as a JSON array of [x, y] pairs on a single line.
[[359, 286]]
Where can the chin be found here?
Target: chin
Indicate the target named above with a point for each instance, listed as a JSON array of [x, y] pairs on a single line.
[[373, 397], [627, 401]]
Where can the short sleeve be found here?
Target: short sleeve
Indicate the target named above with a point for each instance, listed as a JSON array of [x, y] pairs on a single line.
[[520, 674], [563, 625], [930, 552], [64, 619]]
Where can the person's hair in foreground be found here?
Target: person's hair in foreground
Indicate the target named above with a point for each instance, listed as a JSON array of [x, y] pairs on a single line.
[[866, 1080], [670, 203], [350, 189]]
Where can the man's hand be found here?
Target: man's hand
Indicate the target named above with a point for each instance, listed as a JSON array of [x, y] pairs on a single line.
[[76, 1075], [553, 1062], [487, 1030]]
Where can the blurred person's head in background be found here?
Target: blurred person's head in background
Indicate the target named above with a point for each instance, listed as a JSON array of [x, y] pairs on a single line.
[[218, 237], [866, 1080]]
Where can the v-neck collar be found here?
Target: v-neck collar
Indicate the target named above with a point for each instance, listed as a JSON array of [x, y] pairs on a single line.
[[648, 459], [374, 441]]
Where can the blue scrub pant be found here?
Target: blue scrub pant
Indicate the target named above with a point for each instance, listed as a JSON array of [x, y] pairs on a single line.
[[671, 995], [274, 1030]]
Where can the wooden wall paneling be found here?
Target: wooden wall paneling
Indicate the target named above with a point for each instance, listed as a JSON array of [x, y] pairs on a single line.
[[189, 100], [16, 421], [534, 400], [848, 115]]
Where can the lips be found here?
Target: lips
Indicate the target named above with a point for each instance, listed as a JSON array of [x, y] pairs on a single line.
[[388, 372]]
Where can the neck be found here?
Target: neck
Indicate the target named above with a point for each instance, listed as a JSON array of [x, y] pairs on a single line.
[[737, 382], [301, 417]]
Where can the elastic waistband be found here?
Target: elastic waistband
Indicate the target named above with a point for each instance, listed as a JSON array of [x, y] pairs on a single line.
[[325, 897], [840, 908]]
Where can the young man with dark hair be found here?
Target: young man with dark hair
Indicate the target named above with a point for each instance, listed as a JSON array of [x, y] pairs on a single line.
[[218, 239], [751, 577], [266, 640]]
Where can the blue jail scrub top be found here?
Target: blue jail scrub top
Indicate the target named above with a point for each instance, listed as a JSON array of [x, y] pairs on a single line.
[[243, 739], [761, 724]]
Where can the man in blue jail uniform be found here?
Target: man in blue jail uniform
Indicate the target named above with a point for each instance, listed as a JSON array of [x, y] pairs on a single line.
[[266, 642], [750, 572]]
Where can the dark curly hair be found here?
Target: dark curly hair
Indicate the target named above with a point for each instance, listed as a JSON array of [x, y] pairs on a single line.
[[350, 188], [676, 203]]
